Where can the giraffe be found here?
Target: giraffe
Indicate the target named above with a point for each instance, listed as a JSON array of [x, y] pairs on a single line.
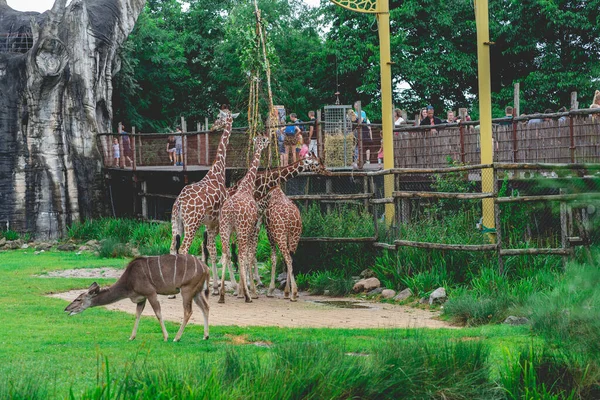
[[270, 179], [284, 226], [239, 214], [199, 203]]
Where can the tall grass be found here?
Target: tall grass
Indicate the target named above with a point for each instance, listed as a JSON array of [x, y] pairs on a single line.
[[306, 370]]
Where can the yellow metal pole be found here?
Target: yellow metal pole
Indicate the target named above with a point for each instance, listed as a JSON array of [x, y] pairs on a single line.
[[485, 108], [383, 18]]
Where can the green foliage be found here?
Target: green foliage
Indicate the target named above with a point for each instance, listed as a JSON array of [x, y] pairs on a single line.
[[471, 363], [341, 221], [13, 235], [571, 312], [112, 248], [336, 283]]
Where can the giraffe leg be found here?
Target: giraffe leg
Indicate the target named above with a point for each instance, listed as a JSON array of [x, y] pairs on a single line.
[[153, 299], [250, 258], [189, 234], [243, 288], [202, 302], [175, 226], [187, 312], [212, 251], [138, 314], [254, 266], [273, 267]]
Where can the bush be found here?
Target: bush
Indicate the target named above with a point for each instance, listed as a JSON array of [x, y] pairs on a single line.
[[112, 248], [336, 282]]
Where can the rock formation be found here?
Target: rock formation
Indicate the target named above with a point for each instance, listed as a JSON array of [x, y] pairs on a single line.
[[56, 72]]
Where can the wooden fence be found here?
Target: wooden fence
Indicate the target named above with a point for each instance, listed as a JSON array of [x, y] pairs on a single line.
[[573, 206]]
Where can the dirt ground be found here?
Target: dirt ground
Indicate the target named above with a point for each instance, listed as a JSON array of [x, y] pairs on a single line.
[[308, 312]]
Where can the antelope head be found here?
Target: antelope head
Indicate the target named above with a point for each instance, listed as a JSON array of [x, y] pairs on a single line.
[[84, 300]]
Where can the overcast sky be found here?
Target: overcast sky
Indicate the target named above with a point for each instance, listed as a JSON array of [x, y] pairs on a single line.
[[43, 5]]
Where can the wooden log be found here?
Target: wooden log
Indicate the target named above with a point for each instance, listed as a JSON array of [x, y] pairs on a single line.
[[338, 239], [582, 197], [164, 196], [442, 195], [564, 231], [384, 200], [519, 252], [443, 246], [385, 246], [331, 196], [549, 166]]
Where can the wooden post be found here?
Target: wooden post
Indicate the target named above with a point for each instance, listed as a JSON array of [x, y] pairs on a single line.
[[366, 189], [498, 225], [198, 128], [516, 107], [328, 187], [564, 229], [359, 161], [144, 199], [374, 209], [574, 102], [184, 142], [572, 139], [461, 131], [140, 160], [132, 146], [320, 144], [206, 124]]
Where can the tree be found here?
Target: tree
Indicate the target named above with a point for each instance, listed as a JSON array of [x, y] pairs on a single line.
[[59, 96]]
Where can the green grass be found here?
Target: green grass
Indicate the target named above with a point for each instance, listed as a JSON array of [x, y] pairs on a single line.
[[47, 354]]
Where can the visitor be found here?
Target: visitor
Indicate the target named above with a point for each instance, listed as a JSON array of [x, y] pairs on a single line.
[[178, 147], [299, 143], [312, 134], [367, 134], [171, 149], [380, 151], [431, 119], [126, 146], [508, 113], [450, 118], [116, 152], [422, 115], [562, 119], [398, 120], [291, 139], [304, 151]]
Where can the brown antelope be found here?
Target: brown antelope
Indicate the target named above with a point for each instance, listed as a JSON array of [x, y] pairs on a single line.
[[145, 278]]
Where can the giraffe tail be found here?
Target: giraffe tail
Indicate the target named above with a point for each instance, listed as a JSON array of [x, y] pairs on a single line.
[[234, 256], [177, 242], [205, 246]]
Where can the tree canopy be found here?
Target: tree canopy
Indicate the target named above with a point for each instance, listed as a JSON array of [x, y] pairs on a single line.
[[186, 62]]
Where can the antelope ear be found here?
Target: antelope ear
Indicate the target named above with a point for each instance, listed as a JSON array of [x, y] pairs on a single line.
[[94, 289]]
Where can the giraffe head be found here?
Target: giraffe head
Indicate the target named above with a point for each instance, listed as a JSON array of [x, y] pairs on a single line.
[[225, 118], [261, 143], [314, 164]]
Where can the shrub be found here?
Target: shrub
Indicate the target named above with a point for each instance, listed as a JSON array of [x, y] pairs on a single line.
[[336, 282], [112, 248]]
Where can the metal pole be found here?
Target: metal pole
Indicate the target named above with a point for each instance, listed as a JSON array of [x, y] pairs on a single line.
[[383, 18], [485, 108]]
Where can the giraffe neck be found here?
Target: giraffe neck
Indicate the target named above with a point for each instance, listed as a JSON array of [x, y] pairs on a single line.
[[247, 184], [218, 168], [272, 178]]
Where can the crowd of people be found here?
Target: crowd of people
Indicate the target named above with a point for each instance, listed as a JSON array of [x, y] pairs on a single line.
[[297, 139]]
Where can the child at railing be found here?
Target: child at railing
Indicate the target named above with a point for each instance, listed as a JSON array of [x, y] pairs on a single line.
[[380, 151], [171, 149], [116, 152]]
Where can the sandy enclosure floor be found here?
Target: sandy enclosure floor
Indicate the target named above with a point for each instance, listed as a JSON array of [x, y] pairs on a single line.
[[308, 312]]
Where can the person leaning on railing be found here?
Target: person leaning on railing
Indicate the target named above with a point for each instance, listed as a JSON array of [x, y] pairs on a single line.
[[431, 119]]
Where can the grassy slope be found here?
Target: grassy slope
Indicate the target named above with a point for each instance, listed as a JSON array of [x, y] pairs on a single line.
[[39, 343]]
